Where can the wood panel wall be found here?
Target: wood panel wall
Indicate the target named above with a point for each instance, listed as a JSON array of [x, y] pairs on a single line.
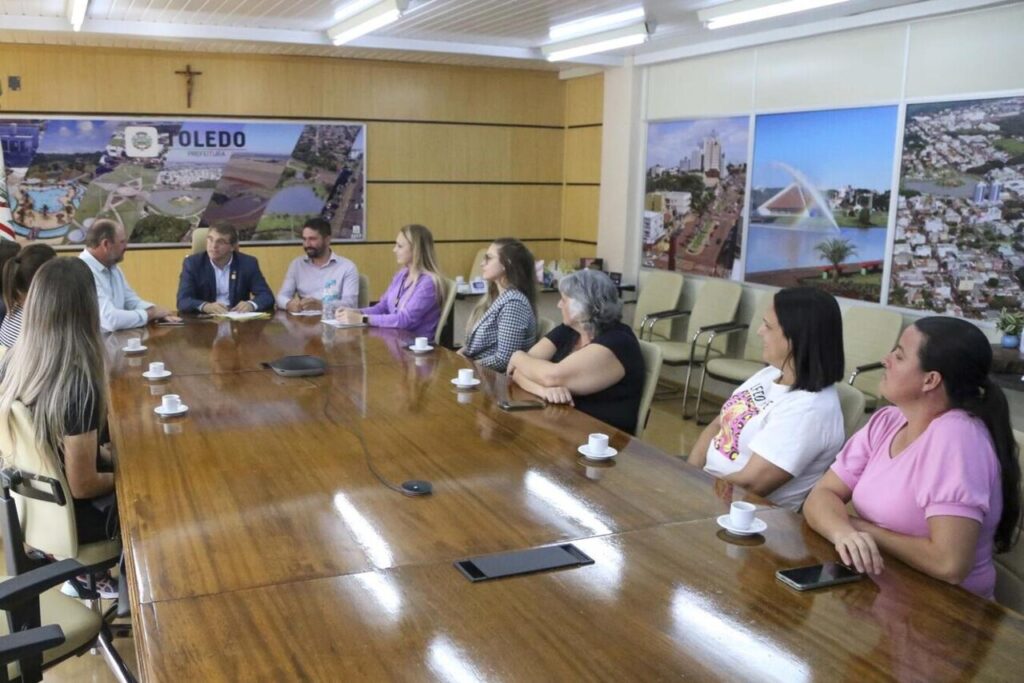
[[584, 107], [473, 153]]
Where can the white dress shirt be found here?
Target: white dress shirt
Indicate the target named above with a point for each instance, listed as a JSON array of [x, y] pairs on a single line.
[[223, 278], [120, 307]]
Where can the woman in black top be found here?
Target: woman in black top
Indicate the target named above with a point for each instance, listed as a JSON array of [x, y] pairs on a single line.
[[57, 371], [592, 360]]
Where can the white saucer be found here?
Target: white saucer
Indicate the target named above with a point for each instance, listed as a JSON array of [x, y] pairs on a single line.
[[469, 385], [756, 527], [608, 453], [159, 410], [415, 349], [149, 375], [138, 349]]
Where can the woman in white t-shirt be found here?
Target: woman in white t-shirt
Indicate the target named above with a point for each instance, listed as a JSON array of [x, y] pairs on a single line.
[[781, 429]]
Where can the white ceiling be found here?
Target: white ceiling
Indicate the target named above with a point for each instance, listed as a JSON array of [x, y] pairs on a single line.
[[505, 33]]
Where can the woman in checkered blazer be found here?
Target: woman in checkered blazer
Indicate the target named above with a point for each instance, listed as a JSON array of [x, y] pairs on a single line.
[[505, 321]]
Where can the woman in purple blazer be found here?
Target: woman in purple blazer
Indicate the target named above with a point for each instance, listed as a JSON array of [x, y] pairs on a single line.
[[413, 299]]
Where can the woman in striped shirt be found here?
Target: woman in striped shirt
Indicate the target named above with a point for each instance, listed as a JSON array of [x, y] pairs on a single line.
[[17, 276]]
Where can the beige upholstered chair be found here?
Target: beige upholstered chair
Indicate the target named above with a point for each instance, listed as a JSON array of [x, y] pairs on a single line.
[[660, 294], [1010, 565], [46, 520], [46, 526], [652, 368], [79, 625], [364, 291], [447, 303], [738, 370], [851, 402], [715, 308], [868, 334], [199, 240], [544, 325]]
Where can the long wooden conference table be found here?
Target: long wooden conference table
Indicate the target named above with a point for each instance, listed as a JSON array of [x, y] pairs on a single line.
[[261, 546]]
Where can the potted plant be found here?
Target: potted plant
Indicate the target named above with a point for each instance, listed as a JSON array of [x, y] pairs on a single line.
[[1010, 323]]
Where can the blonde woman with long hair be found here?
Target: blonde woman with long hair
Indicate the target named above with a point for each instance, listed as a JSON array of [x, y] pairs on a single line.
[[413, 299], [505, 321], [57, 370]]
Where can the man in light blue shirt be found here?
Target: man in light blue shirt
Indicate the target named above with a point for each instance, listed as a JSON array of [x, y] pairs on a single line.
[[120, 307], [322, 273]]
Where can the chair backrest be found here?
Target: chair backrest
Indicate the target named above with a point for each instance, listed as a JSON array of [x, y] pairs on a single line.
[[364, 291], [46, 526], [1010, 565], [199, 239], [716, 302], [753, 348], [868, 334], [661, 291], [544, 325], [652, 368], [852, 403], [477, 269], [447, 304]]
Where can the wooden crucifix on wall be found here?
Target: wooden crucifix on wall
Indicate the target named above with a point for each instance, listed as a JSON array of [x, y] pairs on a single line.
[[189, 75]]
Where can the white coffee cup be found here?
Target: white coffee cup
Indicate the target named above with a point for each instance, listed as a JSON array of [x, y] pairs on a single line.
[[459, 280], [597, 444], [156, 368], [421, 343], [466, 376], [170, 403], [741, 515], [133, 343]]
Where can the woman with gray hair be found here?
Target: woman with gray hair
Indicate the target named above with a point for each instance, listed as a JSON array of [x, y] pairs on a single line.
[[592, 360]]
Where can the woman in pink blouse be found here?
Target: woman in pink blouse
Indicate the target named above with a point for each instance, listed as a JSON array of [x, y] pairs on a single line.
[[934, 479]]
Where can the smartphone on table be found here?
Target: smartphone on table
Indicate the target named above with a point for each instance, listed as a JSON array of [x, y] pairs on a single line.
[[520, 405], [817, 576]]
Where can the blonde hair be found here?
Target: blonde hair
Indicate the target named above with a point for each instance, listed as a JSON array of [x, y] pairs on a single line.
[[518, 262], [59, 353], [424, 258]]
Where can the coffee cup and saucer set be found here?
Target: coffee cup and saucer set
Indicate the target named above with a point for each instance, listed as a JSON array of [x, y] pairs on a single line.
[[465, 380], [133, 345], [170, 406], [741, 520], [156, 371], [422, 345], [597, 448]]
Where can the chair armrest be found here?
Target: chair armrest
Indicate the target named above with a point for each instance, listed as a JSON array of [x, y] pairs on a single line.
[[724, 328], [652, 319], [863, 368], [18, 590], [34, 641], [631, 301]]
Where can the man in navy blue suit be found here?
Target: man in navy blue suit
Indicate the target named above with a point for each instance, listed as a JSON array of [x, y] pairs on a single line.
[[222, 279]]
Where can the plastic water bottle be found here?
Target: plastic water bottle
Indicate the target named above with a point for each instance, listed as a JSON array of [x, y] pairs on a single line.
[[329, 301]]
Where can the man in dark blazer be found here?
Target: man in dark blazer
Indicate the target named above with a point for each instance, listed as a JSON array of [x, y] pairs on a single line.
[[222, 279]]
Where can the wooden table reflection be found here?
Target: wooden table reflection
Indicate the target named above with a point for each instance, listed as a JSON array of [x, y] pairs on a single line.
[[262, 547]]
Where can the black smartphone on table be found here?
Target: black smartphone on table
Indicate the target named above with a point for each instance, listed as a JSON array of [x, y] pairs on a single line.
[[817, 576], [520, 405]]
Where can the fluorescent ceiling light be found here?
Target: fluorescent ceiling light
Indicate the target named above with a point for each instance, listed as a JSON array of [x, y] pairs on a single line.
[[76, 12], [746, 11], [582, 27], [366, 19], [598, 42]]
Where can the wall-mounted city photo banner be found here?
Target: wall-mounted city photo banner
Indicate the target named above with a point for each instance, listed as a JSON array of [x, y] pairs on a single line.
[[696, 175], [161, 178], [820, 198], [959, 242]]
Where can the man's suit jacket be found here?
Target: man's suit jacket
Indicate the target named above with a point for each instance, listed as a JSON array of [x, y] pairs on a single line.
[[198, 284]]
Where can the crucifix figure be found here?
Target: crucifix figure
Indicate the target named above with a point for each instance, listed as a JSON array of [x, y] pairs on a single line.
[[189, 75]]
